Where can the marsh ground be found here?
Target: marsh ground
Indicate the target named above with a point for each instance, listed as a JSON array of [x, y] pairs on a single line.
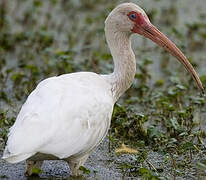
[[162, 115]]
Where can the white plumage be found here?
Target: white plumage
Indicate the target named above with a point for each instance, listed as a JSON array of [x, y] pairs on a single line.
[[61, 117], [67, 116]]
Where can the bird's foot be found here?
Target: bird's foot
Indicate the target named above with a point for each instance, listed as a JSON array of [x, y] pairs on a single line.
[[74, 169], [75, 163]]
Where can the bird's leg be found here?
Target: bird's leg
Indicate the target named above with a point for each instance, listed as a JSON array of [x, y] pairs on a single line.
[[75, 163], [33, 167]]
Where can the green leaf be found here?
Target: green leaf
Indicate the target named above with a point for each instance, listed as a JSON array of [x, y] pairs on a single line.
[[201, 166], [159, 82], [36, 170], [188, 145], [175, 124], [84, 170]]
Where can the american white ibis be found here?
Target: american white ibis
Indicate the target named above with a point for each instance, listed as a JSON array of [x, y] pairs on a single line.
[[67, 116]]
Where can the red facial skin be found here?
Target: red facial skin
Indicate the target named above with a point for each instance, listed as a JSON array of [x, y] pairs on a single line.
[[143, 26], [140, 21]]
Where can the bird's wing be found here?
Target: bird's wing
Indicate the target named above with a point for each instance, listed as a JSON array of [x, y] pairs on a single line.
[[63, 116]]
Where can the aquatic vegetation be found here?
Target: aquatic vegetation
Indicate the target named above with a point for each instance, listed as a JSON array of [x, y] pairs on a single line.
[[162, 112]]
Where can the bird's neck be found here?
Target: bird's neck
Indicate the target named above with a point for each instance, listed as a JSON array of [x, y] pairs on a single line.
[[124, 62]]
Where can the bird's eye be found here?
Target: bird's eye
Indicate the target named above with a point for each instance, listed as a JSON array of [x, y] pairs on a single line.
[[132, 16]]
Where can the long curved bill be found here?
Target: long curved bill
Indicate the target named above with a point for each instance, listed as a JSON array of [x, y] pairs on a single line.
[[156, 36]]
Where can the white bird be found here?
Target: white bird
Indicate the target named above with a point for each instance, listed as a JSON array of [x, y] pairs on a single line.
[[67, 116]]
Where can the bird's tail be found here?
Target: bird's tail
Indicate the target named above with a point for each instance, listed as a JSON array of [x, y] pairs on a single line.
[[11, 158]]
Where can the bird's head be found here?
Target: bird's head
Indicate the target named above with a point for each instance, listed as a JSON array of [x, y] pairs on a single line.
[[125, 17], [131, 19]]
